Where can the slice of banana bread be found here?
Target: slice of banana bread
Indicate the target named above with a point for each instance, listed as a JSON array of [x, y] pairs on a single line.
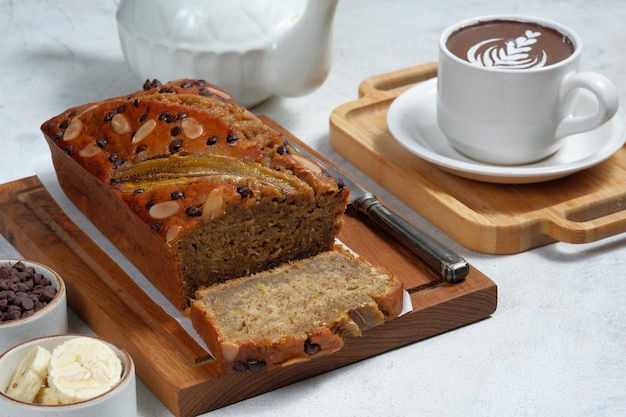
[[294, 312], [192, 187]]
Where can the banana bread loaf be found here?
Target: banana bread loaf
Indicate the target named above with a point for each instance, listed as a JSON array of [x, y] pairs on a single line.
[[192, 187], [293, 312]]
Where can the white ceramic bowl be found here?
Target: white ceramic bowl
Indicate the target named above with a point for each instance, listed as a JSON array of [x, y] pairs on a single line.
[[120, 401], [50, 320]]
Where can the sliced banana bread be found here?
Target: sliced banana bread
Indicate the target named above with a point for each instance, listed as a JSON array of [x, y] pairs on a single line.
[[294, 312]]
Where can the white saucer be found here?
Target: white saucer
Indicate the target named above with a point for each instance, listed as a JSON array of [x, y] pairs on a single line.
[[412, 120]]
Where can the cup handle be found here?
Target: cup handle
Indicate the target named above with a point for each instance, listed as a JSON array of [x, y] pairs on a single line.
[[606, 95]]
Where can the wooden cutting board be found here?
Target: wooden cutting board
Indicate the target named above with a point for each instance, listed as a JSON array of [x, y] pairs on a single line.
[[179, 371], [491, 218]]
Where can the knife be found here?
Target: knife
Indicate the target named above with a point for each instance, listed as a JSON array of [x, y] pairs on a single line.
[[451, 267]]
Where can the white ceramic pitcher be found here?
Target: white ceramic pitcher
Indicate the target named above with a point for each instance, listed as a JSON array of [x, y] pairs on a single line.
[[253, 49]]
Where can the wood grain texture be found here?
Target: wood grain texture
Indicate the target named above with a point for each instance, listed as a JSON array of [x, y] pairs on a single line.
[[180, 372], [490, 218]]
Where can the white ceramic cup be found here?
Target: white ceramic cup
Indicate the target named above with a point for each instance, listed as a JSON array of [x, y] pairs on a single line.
[[516, 116]]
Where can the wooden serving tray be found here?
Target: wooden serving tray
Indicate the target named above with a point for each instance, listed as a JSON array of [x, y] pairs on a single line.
[[490, 218], [179, 371]]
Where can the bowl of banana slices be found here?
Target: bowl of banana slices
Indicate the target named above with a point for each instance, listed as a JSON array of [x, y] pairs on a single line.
[[68, 375]]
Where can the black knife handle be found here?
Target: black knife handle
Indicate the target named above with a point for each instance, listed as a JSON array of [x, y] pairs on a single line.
[[451, 266]]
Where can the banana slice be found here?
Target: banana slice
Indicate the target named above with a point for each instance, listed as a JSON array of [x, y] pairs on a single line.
[[47, 396], [83, 368], [30, 375]]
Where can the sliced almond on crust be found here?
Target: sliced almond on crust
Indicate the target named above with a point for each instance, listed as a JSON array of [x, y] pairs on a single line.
[[229, 351]]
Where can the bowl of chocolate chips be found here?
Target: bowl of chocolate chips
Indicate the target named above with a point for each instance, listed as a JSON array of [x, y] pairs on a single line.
[[33, 302]]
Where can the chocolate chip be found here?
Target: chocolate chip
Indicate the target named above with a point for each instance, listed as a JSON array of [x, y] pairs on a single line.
[[136, 102], [27, 313], [108, 116], [157, 226], [140, 148], [144, 115], [212, 140], [255, 365], [239, 366], [101, 142], [47, 295], [340, 184], [282, 150], [193, 211], [120, 109], [176, 145], [310, 348], [28, 304], [177, 195], [244, 191], [151, 84], [176, 130], [64, 124], [164, 115], [231, 138], [11, 315], [37, 279], [17, 300]]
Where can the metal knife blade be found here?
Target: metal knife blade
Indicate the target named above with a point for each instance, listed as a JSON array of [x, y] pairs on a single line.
[[451, 267]]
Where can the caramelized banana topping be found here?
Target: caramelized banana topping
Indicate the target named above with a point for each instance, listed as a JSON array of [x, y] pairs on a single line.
[[213, 168]]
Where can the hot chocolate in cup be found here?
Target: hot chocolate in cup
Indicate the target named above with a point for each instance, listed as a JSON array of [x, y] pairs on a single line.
[[508, 88]]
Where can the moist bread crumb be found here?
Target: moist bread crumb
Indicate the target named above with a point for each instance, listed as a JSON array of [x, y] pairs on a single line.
[[192, 187], [294, 312]]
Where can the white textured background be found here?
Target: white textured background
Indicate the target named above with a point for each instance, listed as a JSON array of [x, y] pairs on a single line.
[[556, 346]]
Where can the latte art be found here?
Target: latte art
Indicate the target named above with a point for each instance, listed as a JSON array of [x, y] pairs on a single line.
[[509, 53], [513, 45]]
